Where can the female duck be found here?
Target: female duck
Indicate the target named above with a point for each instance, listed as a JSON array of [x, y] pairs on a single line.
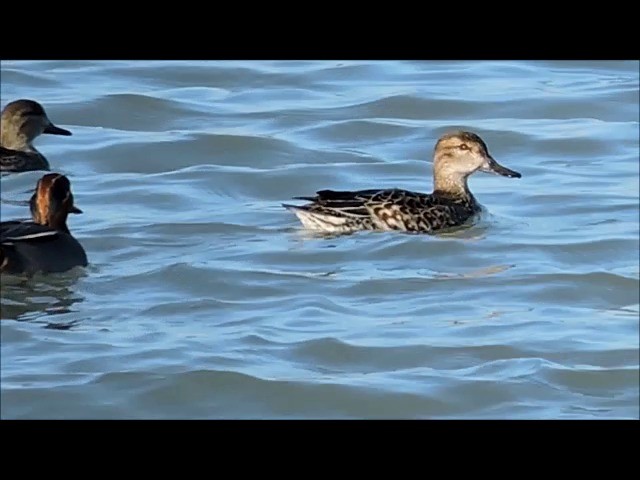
[[21, 123], [456, 156], [44, 244]]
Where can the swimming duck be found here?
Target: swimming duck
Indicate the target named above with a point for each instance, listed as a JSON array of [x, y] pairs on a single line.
[[45, 243], [456, 156], [21, 123]]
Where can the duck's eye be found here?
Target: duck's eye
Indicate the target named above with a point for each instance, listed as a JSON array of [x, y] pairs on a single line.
[[464, 146]]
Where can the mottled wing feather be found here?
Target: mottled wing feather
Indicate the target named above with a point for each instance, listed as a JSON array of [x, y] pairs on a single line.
[[16, 161], [412, 211], [336, 195], [341, 203], [389, 209]]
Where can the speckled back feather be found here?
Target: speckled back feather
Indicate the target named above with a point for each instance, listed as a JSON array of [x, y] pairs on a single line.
[[389, 209]]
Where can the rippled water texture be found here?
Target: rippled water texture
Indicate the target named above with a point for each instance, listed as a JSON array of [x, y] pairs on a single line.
[[205, 300]]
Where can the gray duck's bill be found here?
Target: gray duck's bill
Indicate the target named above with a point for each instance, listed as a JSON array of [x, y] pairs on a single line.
[[53, 130], [491, 166]]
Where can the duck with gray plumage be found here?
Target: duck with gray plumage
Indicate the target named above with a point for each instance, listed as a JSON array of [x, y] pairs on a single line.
[[457, 155], [44, 243], [22, 121]]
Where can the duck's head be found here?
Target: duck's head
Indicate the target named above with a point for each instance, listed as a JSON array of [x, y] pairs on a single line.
[[52, 201], [24, 120], [459, 154]]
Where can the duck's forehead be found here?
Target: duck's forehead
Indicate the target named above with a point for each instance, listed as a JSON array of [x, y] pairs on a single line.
[[456, 138], [22, 107], [470, 137], [451, 139]]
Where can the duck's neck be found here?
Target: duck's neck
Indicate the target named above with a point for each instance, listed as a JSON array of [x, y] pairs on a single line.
[[16, 141], [453, 185], [41, 214], [57, 222]]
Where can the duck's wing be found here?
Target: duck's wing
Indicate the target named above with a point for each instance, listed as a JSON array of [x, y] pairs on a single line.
[[339, 203], [24, 231], [388, 209], [332, 210], [335, 211], [327, 197], [15, 234], [17, 161], [416, 212]]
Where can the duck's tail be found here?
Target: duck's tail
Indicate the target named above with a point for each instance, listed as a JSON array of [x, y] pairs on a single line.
[[322, 221]]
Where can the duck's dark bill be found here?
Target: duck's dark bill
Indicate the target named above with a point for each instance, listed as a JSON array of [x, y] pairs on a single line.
[[53, 130], [75, 209], [494, 167]]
